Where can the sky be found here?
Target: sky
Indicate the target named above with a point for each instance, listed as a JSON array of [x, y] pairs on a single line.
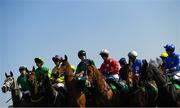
[[33, 28]]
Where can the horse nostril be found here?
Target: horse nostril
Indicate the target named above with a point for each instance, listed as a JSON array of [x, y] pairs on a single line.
[[4, 89]]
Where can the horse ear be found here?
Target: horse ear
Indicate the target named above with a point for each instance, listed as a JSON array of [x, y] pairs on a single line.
[[65, 58], [11, 73], [6, 75], [33, 69], [145, 63]]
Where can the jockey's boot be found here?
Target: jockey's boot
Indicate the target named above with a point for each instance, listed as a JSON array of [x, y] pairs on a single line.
[[177, 82]]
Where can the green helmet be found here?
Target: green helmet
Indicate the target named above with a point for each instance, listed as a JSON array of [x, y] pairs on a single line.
[[39, 60], [81, 53]]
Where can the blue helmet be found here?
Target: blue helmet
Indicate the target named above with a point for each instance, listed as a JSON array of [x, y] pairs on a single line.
[[170, 47]]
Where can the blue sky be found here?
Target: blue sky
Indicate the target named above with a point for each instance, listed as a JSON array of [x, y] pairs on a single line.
[[31, 28]]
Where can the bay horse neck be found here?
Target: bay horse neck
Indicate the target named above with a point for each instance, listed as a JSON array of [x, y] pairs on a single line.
[[99, 80], [130, 76]]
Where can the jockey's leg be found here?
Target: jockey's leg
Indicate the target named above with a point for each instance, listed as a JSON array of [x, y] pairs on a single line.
[[175, 77], [115, 81], [59, 86], [26, 96], [116, 77], [111, 80]]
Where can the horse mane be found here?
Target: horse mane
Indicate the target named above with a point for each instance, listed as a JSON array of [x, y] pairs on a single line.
[[98, 74], [16, 87], [167, 92]]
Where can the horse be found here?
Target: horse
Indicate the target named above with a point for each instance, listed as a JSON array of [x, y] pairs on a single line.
[[136, 92], [167, 93], [43, 94], [11, 85], [75, 95], [102, 93]]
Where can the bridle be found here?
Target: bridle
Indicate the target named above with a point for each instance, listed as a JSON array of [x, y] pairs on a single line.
[[94, 80]]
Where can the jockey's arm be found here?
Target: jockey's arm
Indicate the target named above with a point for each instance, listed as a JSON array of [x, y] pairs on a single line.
[[49, 73], [80, 73], [115, 68], [18, 83], [177, 64]]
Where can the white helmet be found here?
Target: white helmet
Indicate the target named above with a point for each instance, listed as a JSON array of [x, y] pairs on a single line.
[[133, 54], [104, 51]]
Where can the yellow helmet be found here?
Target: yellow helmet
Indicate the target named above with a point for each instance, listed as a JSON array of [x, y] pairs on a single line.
[[164, 55], [73, 67]]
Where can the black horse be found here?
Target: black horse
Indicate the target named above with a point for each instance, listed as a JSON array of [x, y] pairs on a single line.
[[167, 94], [43, 94]]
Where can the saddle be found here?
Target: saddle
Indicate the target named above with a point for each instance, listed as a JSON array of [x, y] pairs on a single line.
[[117, 86]]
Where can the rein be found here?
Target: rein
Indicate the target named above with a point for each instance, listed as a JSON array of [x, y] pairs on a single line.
[[166, 84], [136, 91], [37, 100], [8, 100]]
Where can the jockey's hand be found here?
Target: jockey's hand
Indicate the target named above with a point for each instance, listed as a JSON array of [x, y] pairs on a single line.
[[78, 75], [172, 69], [88, 83], [108, 73], [167, 70], [20, 89], [136, 75], [52, 80]]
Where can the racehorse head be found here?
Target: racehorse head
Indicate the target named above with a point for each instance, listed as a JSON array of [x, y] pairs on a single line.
[[8, 83], [67, 70], [151, 71], [11, 85], [94, 74]]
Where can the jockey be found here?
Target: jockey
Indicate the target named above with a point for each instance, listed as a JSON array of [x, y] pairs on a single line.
[[163, 57], [122, 71], [134, 62], [172, 64], [57, 77], [22, 80], [110, 67], [82, 66], [41, 69]]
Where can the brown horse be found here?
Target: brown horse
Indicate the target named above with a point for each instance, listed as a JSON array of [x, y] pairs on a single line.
[[136, 94], [102, 92], [75, 96], [36, 98]]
